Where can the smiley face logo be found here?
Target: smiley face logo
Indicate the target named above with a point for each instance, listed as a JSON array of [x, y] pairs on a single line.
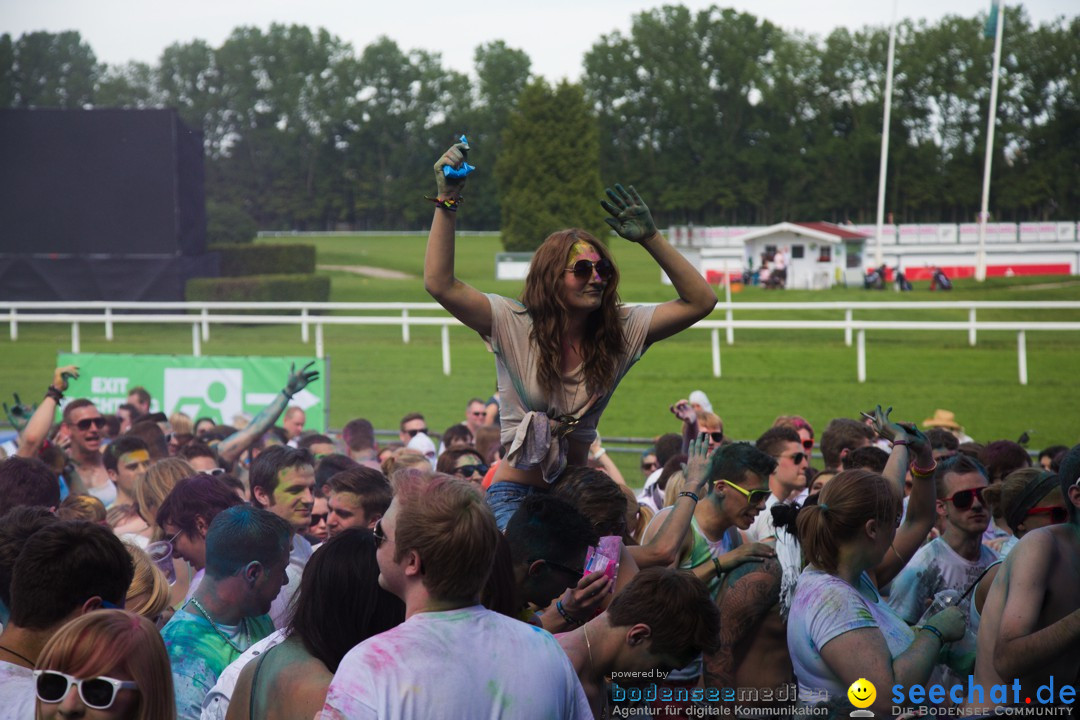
[[862, 693]]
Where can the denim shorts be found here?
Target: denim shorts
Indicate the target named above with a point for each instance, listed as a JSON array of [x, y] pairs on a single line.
[[504, 498]]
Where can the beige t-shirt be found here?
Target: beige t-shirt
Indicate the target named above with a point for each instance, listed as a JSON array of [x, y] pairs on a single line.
[[516, 368]]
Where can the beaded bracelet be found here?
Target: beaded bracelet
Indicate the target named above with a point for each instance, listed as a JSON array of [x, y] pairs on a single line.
[[565, 615], [52, 392], [687, 493], [933, 630]]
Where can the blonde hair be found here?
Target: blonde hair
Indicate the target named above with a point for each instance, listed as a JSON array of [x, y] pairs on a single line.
[[711, 420], [181, 424], [446, 521], [404, 458], [156, 485], [674, 487], [101, 642], [149, 581], [82, 507]]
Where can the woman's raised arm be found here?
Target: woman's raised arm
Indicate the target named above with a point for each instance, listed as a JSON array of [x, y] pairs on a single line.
[[463, 301]]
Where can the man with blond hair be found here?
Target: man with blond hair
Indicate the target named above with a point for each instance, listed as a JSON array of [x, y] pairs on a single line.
[[451, 657]]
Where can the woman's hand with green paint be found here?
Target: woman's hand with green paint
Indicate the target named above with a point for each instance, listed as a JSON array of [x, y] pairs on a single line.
[[630, 216]]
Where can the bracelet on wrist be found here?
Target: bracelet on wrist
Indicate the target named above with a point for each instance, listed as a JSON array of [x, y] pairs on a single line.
[[935, 632], [565, 615], [692, 496], [286, 394], [450, 204], [718, 566], [901, 442], [600, 453], [922, 473], [52, 392]]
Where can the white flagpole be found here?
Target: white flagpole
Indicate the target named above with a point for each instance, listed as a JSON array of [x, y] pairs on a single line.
[[980, 258], [879, 251]]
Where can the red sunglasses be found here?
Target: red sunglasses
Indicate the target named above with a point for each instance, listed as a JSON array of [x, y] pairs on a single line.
[[965, 498], [1058, 515]]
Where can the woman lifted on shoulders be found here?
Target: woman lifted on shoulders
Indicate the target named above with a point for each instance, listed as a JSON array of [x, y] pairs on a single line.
[[561, 351]]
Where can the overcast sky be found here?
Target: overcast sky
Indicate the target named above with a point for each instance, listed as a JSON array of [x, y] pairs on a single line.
[[554, 33]]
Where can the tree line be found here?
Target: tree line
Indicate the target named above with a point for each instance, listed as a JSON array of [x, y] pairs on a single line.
[[717, 116]]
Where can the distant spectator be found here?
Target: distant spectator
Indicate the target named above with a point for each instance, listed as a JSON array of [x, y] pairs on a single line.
[[27, 481]]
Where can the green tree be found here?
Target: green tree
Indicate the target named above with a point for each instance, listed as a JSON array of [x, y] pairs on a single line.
[[549, 167], [55, 70]]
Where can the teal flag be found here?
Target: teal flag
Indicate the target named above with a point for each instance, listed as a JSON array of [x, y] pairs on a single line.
[[216, 387], [990, 31]]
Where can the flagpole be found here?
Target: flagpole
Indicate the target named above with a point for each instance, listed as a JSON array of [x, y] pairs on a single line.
[[980, 258], [879, 251]]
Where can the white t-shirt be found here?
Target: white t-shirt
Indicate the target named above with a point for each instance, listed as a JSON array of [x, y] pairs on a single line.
[[17, 696], [298, 557], [466, 663], [935, 567], [216, 703], [826, 607]]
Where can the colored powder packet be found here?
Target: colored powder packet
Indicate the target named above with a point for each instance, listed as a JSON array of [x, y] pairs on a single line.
[[605, 558]]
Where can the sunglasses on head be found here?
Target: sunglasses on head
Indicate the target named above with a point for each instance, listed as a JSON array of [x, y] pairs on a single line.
[[1058, 515], [413, 432], [965, 498], [753, 497], [584, 269], [98, 693], [470, 470], [317, 518], [97, 422]]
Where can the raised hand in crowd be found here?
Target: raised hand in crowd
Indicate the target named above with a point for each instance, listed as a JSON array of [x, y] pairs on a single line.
[[232, 447], [37, 427]]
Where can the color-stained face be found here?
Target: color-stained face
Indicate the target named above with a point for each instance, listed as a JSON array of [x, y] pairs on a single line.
[[862, 693], [130, 468], [738, 506], [292, 498], [582, 292]]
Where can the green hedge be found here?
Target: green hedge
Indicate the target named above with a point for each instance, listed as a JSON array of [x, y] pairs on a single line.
[[260, 288], [244, 260]]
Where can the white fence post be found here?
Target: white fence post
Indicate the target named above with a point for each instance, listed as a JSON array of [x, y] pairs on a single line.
[[847, 327], [303, 326], [861, 354], [108, 324], [75, 337], [318, 340], [205, 325], [196, 345], [971, 330], [715, 352], [14, 325], [446, 350], [1021, 349], [405, 326]]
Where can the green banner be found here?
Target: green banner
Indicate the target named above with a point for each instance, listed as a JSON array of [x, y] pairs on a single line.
[[216, 387]]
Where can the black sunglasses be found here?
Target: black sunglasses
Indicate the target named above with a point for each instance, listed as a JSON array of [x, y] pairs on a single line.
[[584, 269], [808, 444], [576, 572], [470, 470], [796, 458], [1058, 515], [717, 436], [97, 422], [317, 518], [98, 693], [965, 498], [412, 433], [380, 536], [649, 466]]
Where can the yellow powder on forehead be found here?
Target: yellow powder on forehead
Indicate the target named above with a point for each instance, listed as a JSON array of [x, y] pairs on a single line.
[[581, 249], [134, 456]]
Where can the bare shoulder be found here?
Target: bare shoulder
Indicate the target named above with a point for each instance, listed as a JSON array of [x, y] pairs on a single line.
[[767, 572]]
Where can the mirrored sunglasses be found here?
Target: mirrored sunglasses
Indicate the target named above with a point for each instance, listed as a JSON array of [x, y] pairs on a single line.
[[584, 269], [98, 693]]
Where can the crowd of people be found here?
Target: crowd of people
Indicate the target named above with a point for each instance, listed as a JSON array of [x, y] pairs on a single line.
[[160, 567]]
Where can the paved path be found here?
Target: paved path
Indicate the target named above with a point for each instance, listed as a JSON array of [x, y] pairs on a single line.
[[369, 271]]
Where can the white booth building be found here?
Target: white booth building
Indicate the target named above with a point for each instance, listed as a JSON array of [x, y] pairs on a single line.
[[818, 254]]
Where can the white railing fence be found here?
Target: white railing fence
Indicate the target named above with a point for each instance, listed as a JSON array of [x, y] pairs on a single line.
[[307, 315]]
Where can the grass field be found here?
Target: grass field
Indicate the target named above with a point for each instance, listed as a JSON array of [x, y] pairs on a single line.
[[765, 373]]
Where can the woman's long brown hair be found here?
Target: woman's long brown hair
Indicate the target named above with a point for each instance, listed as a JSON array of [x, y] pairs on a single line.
[[541, 297]]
